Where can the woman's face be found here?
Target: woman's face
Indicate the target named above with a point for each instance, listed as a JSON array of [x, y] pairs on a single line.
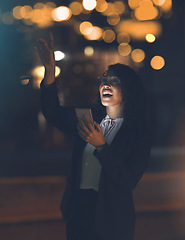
[[110, 91]]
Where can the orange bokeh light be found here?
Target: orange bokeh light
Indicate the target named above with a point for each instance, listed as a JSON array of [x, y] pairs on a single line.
[[96, 34], [138, 55], [61, 14], [109, 36], [146, 11], [157, 62], [150, 38], [124, 50], [76, 8]]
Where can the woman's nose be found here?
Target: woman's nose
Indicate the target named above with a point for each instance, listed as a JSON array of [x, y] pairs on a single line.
[[106, 85]]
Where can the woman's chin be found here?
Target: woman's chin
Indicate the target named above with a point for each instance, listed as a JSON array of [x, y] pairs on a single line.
[[105, 103]]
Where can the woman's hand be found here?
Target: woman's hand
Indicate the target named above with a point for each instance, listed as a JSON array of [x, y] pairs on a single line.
[[45, 52], [91, 134], [46, 55]]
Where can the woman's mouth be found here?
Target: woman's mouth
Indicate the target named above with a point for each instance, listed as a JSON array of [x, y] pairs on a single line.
[[107, 93]]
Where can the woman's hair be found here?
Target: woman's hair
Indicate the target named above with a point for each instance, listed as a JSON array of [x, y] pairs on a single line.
[[135, 112]]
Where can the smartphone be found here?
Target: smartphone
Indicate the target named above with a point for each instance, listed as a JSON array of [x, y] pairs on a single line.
[[82, 112]]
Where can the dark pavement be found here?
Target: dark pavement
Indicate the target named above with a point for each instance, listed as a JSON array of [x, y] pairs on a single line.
[[29, 207]]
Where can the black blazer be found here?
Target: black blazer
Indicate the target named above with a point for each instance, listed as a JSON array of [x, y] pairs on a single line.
[[123, 164]]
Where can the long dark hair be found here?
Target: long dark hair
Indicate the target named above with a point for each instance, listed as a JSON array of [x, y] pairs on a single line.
[[134, 97]]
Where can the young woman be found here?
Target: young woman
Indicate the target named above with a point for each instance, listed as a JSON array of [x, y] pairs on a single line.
[[109, 156]]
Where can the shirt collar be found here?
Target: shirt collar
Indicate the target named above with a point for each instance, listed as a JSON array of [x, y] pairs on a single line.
[[117, 120]]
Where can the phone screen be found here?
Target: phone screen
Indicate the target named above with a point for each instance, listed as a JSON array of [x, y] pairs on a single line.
[[82, 112]]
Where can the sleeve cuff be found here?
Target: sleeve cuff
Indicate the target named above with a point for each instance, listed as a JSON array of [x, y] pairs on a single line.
[[100, 152]]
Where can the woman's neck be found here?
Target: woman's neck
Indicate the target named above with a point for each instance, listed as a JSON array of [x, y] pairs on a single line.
[[115, 111]]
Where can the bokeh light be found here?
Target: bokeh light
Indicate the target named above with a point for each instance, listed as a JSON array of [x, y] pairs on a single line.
[[57, 71], [39, 5], [109, 9], [108, 35], [119, 7], [25, 81], [101, 6], [86, 28], [150, 38], [89, 4], [167, 6], [76, 8], [88, 51], [16, 12], [38, 74], [61, 14], [159, 2], [157, 62], [123, 38], [138, 30], [26, 12], [134, 3], [124, 50], [113, 18], [50, 5], [42, 17], [59, 55], [96, 34], [138, 55], [146, 11], [37, 16]]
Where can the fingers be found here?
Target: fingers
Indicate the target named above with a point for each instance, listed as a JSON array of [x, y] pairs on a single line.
[[89, 124], [51, 39], [97, 126], [84, 131], [81, 133], [83, 126], [42, 44]]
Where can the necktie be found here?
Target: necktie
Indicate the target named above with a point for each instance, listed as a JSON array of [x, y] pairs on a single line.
[[108, 125]]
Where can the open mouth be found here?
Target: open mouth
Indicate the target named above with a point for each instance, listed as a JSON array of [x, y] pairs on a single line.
[[107, 93]]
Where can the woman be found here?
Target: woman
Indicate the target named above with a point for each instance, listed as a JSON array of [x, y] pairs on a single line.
[[109, 156]]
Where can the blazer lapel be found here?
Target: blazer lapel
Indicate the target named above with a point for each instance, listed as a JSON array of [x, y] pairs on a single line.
[[119, 135]]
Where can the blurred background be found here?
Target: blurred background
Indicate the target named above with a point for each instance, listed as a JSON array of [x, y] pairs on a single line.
[[88, 35]]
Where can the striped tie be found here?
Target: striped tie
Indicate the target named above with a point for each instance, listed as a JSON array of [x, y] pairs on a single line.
[[108, 125]]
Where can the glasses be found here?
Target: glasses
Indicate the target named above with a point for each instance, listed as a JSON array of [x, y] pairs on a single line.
[[113, 81]]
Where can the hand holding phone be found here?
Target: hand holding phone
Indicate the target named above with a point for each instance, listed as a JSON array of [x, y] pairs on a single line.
[[90, 133], [84, 112]]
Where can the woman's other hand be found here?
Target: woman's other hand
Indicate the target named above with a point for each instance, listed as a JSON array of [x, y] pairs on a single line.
[[91, 134]]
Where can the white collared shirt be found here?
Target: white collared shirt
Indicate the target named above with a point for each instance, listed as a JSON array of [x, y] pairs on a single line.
[[91, 167]]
